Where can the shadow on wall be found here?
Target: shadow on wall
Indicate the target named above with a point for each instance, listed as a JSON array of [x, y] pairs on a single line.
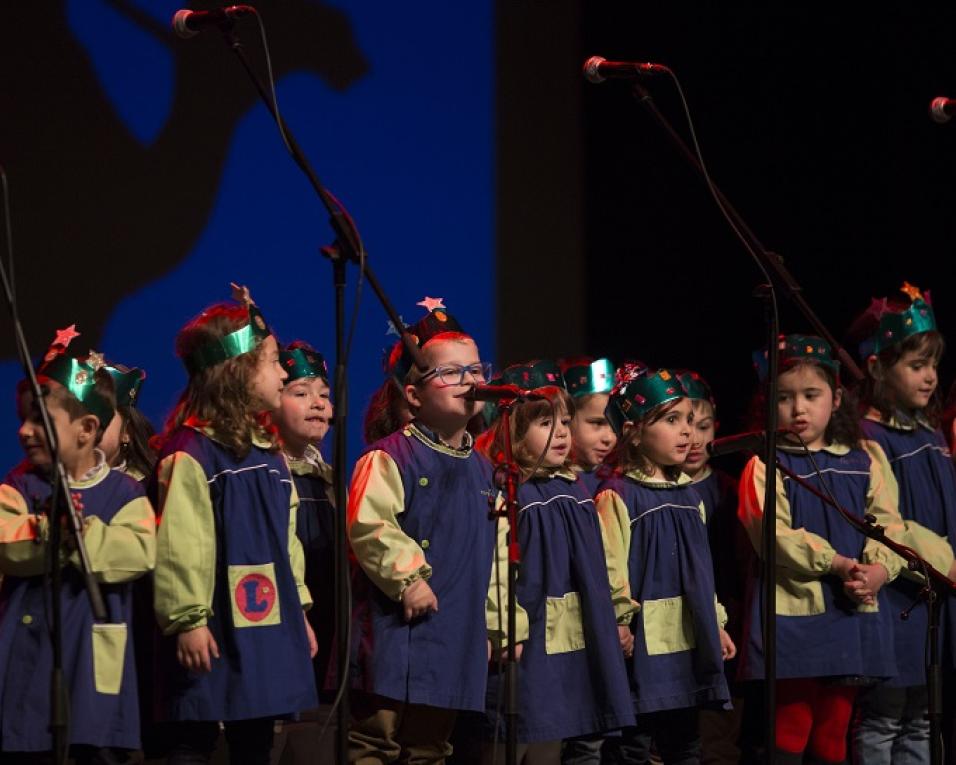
[[99, 212]]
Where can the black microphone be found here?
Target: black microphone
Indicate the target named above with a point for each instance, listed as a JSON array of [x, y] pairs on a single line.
[[187, 23], [500, 393], [942, 109], [597, 69], [742, 442]]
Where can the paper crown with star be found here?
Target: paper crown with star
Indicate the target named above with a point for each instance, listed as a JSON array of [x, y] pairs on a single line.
[[895, 325], [696, 387], [638, 392], [299, 360], [78, 376], [242, 340], [795, 349], [127, 382], [436, 322], [584, 376]]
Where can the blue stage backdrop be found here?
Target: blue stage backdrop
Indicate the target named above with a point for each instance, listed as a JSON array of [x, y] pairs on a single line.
[[146, 176]]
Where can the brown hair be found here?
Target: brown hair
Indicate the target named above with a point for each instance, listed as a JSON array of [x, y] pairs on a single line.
[[844, 425], [492, 441], [57, 393], [387, 411], [220, 396], [627, 453], [874, 391]]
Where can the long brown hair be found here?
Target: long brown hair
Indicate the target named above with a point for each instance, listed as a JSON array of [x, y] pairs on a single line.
[[876, 393], [219, 396], [492, 442], [844, 425], [627, 453]]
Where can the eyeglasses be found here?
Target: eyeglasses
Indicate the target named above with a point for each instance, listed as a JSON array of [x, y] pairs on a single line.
[[454, 374]]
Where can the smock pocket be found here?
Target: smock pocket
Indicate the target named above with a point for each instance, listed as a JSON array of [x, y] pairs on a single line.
[[109, 657], [564, 627], [254, 595], [668, 627], [799, 596]]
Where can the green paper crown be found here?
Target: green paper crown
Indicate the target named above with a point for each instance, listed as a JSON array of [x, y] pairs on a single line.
[[127, 382], [696, 387], [234, 344], [642, 390], [533, 374], [794, 349], [303, 362], [896, 327], [583, 377], [78, 377], [436, 322]]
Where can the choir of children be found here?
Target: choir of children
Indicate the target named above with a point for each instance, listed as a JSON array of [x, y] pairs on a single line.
[[632, 560]]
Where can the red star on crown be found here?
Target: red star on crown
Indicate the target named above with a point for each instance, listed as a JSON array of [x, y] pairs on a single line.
[[430, 304], [912, 291], [66, 336]]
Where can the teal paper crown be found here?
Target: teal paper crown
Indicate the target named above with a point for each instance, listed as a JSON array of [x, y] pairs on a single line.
[[639, 392], [583, 377], [794, 349], [242, 340], [127, 382], [539, 373], [303, 362], [696, 387], [436, 322], [895, 327], [78, 377]]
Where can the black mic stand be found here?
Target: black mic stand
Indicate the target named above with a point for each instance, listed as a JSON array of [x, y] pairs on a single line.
[[507, 476], [937, 586], [61, 508], [346, 247], [771, 264]]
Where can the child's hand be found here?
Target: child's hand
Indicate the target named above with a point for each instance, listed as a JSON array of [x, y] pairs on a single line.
[[840, 566], [626, 637], [503, 654], [489, 652], [865, 582], [196, 649], [310, 633], [727, 648], [952, 569], [418, 600]]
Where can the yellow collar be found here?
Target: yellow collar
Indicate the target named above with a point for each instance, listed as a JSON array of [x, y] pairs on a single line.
[[900, 420], [94, 475], [837, 450], [637, 475]]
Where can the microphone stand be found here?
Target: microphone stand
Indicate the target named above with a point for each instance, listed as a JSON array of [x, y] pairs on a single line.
[[771, 264], [506, 477], [346, 247], [61, 508], [937, 586]]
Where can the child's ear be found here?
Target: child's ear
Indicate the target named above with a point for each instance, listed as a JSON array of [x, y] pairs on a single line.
[[874, 368], [412, 397], [631, 430], [837, 398], [88, 425]]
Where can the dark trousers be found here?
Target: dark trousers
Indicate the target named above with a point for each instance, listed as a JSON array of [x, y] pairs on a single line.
[[675, 733], [193, 742]]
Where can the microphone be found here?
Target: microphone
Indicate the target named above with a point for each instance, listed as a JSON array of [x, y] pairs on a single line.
[[597, 69], [742, 442], [942, 109], [498, 393], [187, 23]]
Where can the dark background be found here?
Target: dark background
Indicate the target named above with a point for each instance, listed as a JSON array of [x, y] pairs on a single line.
[[551, 214], [812, 120]]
